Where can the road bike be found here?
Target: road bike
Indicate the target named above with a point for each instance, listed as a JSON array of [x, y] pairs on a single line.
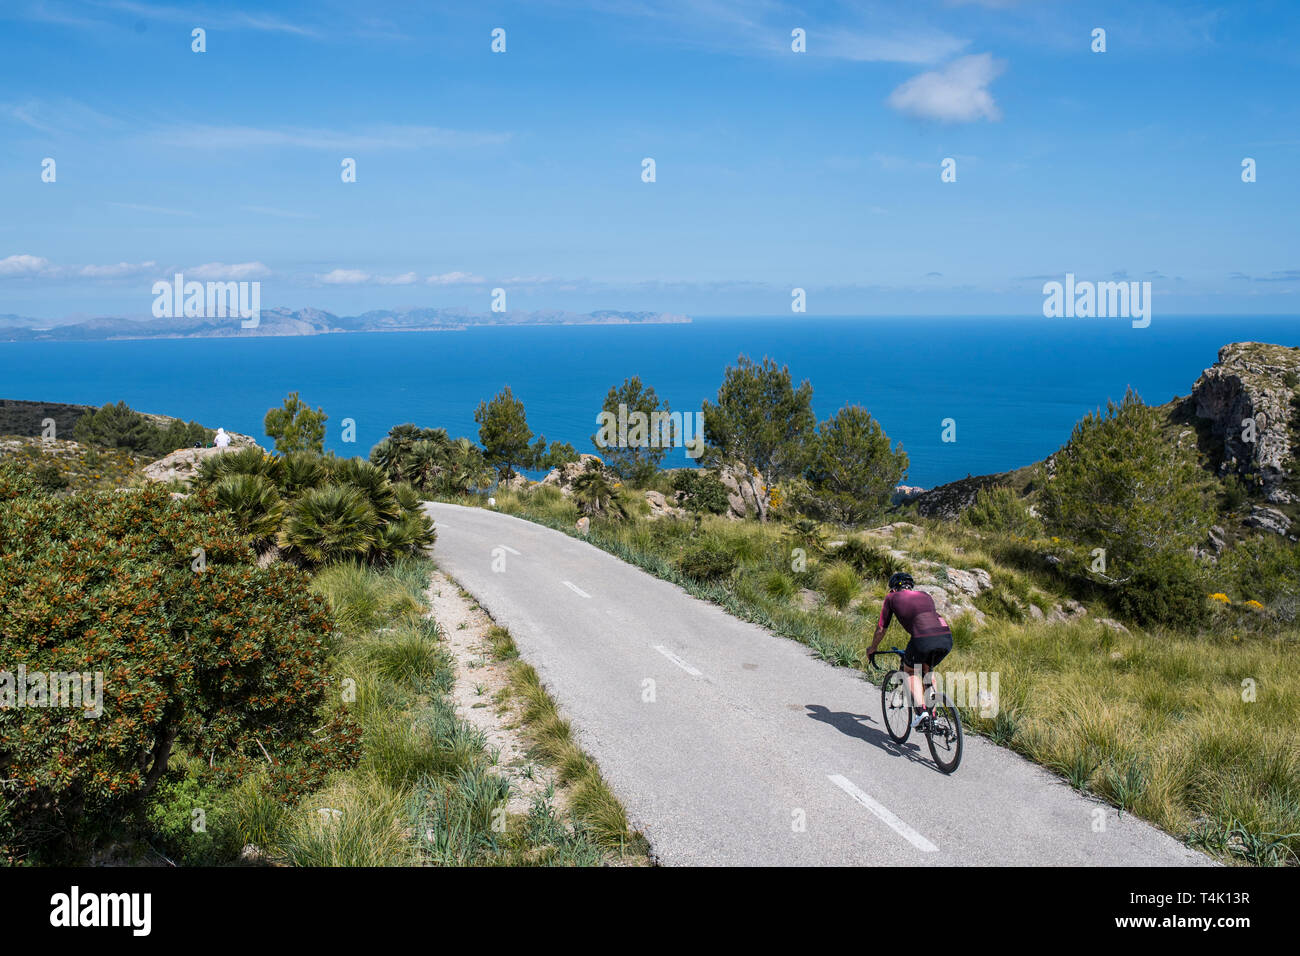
[[943, 729]]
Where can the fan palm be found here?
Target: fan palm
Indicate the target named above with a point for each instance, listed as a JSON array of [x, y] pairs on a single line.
[[331, 523], [302, 471], [595, 494], [253, 502]]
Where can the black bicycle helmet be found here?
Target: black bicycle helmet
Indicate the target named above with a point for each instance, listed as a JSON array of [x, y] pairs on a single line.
[[900, 580]]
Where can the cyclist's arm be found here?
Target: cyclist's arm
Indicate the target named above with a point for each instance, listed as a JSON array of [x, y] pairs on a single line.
[[886, 615]]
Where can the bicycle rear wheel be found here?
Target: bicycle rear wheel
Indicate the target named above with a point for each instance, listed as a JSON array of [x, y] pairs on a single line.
[[943, 732], [896, 706]]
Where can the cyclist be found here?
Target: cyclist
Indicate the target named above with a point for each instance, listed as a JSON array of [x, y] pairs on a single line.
[[931, 639]]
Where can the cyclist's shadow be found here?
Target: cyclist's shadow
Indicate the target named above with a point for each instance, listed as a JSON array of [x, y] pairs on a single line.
[[855, 725]]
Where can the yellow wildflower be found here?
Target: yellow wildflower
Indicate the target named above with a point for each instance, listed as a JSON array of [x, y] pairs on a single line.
[[1221, 598]]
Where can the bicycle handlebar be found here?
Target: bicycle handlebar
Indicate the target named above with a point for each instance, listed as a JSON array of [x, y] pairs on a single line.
[[872, 656]]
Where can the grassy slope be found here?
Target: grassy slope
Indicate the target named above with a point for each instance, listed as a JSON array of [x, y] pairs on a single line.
[[1155, 722], [424, 791]]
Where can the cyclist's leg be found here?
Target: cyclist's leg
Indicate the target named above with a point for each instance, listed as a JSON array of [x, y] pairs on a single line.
[[915, 684]]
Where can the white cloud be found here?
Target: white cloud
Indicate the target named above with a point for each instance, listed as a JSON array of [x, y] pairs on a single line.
[[24, 265], [345, 277], [957, 93], [358, 277], [234, 272], [119, 271], [455, 278]]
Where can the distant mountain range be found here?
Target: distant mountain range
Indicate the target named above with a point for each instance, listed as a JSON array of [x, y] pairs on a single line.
[[15, 328]]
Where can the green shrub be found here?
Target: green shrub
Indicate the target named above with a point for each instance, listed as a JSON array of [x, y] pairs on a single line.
[[868, 559], [371, 481], [840, 583], [1263, 568], [333, 523], [779, 585], [1169, 589], [1122, 484], [120, 426], [225, 661], [245, 461], [700, 491], [253, 503], [301, 471], [1000, 509], [704, 563]]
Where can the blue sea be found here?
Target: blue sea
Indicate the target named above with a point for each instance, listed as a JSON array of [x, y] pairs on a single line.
[[1014, 387]]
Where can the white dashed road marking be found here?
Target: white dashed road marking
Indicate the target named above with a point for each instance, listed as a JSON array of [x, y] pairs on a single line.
[[885, 814], [576, 590], [677, 660]]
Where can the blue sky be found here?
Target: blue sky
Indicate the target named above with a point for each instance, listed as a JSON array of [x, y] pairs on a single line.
[[775, 169]]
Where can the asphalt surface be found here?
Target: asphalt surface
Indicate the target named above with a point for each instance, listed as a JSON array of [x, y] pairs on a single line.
[[730, 745]]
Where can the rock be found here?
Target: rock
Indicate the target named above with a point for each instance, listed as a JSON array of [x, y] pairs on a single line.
[[905, 493], [1268, 519], [515, 482], [562, 476], [660, 508], [183, 464], [809, 598], [951, 606], [1113, 624], [1216, 538], [1249, 382], [1070, 611], [251, 853], [583, 525], [972, 583], [1035, 612], [747, 494]]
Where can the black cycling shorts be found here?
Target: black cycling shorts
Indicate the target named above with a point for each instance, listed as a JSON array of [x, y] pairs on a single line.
[[927, 650]]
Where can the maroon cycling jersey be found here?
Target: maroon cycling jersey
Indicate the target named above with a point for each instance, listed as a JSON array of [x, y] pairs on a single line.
[[915, 611]]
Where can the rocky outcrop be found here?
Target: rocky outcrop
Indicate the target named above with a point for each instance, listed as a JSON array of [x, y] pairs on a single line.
[[183, 464], [660, 508], [947, 502], [562, 476], [1268, 519], [515, 482], [904, 493], [1247, 396], [748, 495]]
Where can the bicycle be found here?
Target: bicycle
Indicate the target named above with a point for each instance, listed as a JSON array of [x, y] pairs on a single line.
[[942, 730]]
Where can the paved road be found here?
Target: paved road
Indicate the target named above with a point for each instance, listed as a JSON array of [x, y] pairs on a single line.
[[731, 745]]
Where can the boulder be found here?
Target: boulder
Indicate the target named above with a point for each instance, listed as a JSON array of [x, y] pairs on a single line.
[[183, 464], [562, 476], [515, 482], [1070, 611], [748, 495], [660, 508], [1268, 519], [972, 583], [583, 525]]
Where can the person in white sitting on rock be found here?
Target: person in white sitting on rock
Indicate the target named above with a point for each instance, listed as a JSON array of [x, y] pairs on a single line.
[[222, 440]]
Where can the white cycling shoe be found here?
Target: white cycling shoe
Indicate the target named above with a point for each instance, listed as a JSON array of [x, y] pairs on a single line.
[[918, 721]]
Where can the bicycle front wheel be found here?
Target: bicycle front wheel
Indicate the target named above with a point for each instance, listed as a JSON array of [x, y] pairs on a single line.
[[944, 735], [896, 706]]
